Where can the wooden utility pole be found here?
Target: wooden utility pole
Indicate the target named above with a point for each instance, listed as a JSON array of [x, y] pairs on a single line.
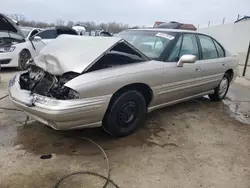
[[245, 66]]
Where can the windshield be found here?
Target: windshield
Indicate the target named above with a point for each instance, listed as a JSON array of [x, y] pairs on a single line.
[[151, 43], [25, 32]]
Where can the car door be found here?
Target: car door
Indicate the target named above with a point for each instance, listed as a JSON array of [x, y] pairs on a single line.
[[182, 82], [213, 62]]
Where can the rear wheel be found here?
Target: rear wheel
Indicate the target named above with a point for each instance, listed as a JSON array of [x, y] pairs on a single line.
[[24, 56], [221, 90], [124, 114]]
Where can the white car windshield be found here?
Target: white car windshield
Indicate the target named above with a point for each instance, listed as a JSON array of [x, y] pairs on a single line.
[[151, 43], [25, 32]]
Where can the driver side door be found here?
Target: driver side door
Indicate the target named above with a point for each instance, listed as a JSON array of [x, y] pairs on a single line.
[[182, 82]]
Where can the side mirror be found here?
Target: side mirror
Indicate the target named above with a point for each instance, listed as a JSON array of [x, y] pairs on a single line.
[[37, 38], [186, 59]]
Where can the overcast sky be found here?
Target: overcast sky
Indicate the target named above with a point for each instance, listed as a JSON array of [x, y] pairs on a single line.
[[133, 12]]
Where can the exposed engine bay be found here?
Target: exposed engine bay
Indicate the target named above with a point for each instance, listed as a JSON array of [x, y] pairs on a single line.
[[9, 41], [43, 83]]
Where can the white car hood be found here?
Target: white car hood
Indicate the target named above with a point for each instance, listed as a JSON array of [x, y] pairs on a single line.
[[9, 25], [73, 53]]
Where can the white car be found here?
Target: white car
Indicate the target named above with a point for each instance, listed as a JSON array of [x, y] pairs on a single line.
[[18, 45], [15, 47]]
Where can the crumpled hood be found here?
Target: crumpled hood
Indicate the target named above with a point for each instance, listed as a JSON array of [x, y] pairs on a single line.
[[8, 25], [73, 53]]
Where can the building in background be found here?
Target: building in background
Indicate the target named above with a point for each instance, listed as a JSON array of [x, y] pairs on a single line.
[[245, 18], [235, 37]]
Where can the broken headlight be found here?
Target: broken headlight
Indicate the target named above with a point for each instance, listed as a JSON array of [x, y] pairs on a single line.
[[43, 83], [62, 93]]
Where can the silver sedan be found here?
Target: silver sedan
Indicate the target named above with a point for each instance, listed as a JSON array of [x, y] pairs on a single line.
[[79, 82]]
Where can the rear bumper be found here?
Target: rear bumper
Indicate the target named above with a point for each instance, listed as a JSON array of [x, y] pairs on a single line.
[[59, 114]]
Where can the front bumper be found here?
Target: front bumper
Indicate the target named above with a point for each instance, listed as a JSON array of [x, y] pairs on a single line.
[[59, 114], [9, 59]]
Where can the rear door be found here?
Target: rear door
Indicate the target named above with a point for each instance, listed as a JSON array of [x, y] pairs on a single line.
[[213, 62], [182, 82]]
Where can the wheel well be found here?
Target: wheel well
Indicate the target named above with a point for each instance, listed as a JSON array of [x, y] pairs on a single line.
[[230, 72], [25, 49], [144, 89]]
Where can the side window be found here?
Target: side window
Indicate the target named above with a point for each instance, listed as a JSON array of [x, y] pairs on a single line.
[[207, 47], [220, 50], [185, 46], [48, 34], [189, 46], [33, 33]]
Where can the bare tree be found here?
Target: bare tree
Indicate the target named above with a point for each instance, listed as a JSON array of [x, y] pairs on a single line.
[[18, 17], [70, 24], [60, 22], [113, 27]]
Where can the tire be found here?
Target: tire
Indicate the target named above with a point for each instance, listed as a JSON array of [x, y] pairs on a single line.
[[24, 56], [125, 114], [221, 90]]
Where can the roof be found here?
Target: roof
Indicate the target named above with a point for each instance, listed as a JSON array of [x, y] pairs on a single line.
[[166, 30], [242, 19]]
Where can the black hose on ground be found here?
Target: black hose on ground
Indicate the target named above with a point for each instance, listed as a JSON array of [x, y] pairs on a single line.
[[107, 178], [4, 97]]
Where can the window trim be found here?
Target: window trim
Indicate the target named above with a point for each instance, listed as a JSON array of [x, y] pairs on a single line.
[[182, 37], [224, 52], [197, 58], [168, 50], [215, 48]]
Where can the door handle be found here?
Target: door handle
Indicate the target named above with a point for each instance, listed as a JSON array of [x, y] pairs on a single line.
[[223, 64], [198, 69]]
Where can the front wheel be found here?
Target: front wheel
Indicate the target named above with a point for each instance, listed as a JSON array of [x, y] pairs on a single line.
[[124, 114], [24, 56], [221, 90]]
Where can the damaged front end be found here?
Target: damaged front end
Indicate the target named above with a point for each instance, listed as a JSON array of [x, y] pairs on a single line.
[[38, 81]]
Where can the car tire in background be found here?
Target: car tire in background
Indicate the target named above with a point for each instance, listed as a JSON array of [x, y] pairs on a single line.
[[23, 57], [124, 113], [221, 90]]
